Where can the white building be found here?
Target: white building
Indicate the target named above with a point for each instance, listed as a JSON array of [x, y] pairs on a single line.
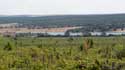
[[5, 25], [96, 33], [114, 33], [76, 34]]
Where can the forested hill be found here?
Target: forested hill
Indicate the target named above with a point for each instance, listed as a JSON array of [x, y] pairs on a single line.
[[102, 22]]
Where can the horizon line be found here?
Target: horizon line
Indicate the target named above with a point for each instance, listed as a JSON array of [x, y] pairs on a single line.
[[58, 14]]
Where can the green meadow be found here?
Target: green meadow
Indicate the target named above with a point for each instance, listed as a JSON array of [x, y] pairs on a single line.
[[62, 53]]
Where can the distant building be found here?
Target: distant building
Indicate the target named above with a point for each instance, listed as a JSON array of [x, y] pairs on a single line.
[[116, 32], [56, 33], [96, 33], [120, 31], [8, 25], [15, 31], [76, 34]]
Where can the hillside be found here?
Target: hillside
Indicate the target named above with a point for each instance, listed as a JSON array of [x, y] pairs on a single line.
[[89, 22]]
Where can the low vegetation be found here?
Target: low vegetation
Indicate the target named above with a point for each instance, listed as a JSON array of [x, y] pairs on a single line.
[[60, 53]]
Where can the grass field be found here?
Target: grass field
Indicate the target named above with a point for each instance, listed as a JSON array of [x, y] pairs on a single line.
[[62, 53]]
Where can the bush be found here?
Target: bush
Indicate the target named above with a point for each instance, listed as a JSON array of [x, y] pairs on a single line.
[[120, 54], [8, 47]]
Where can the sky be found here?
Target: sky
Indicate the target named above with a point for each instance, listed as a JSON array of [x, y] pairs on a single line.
[[61, 7]]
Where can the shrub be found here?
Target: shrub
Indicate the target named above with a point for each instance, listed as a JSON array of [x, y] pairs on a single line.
[[8, 47], [120, 54], [81, 47], [88, 43]]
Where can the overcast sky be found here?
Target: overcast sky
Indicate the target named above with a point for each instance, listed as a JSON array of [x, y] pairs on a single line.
[[60, 7]]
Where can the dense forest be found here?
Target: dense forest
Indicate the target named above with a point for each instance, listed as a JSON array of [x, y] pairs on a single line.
[[89, 22]]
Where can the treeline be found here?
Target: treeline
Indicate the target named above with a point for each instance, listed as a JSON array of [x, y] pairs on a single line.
[[89, 22]]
